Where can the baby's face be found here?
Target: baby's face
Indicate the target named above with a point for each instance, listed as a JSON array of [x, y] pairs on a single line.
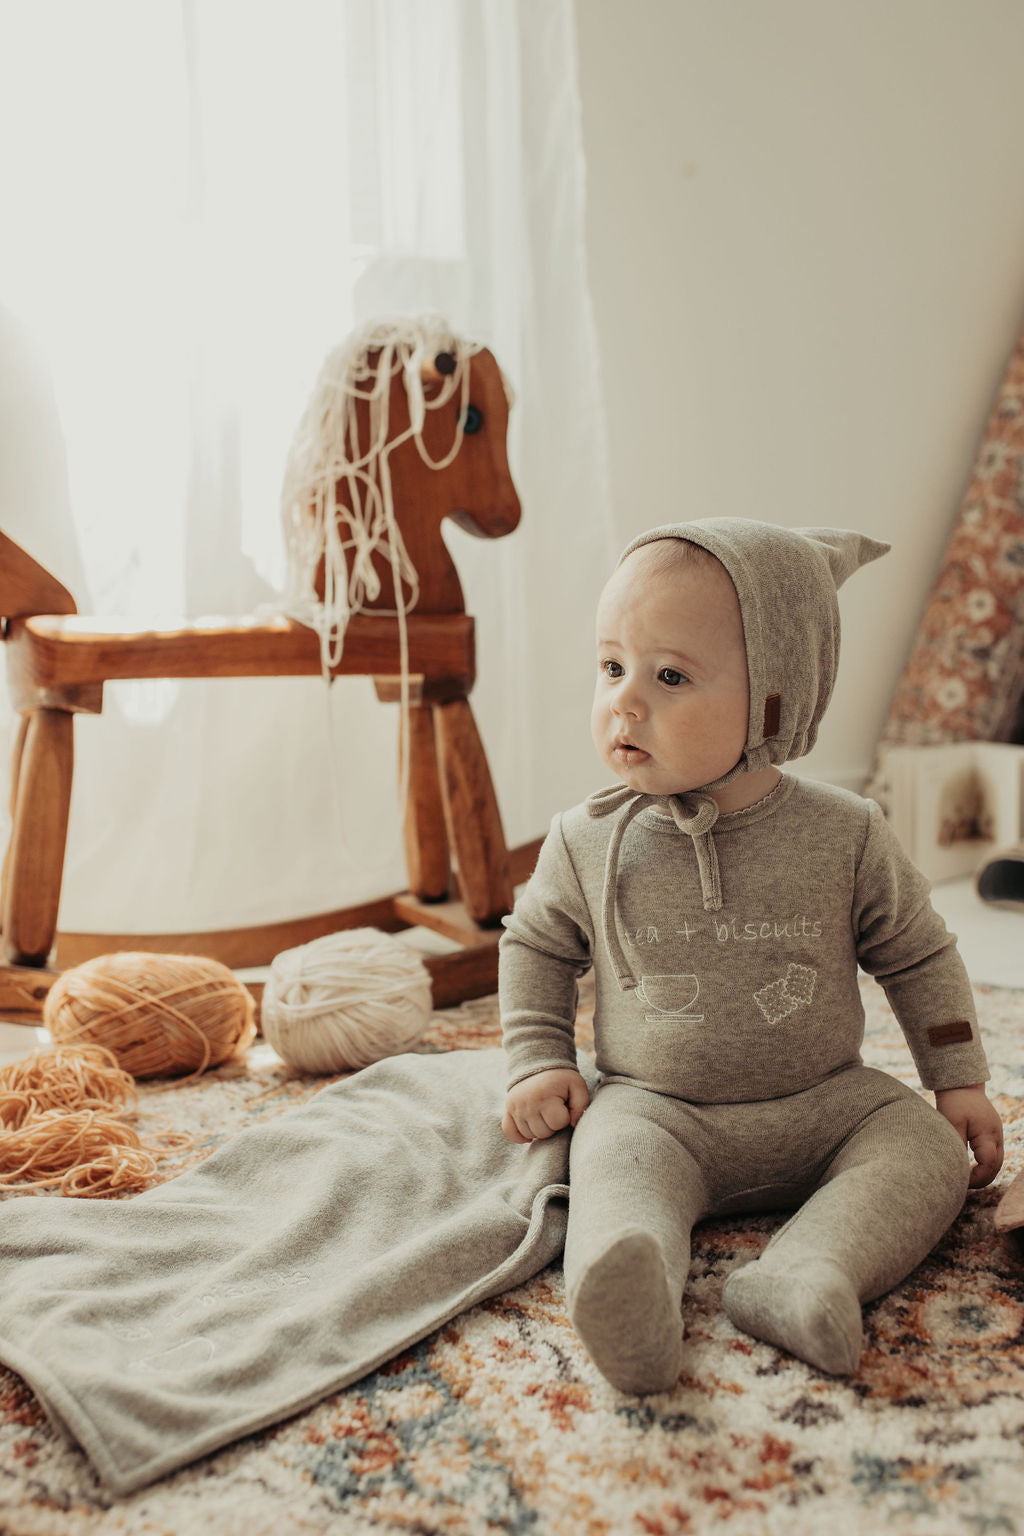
[[672, 698]]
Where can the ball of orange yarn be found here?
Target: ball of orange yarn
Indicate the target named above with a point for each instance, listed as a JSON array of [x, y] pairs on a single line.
[[160, 1015]]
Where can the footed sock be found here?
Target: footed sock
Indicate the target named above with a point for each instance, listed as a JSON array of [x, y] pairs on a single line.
[[623, 1310], [813, 1312]]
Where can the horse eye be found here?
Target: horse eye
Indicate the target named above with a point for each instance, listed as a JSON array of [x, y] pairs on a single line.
[[444, 362], [472, 421]]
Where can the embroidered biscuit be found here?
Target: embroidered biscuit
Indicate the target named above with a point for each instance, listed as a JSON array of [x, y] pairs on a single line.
[[800, 981], [776, 1001]]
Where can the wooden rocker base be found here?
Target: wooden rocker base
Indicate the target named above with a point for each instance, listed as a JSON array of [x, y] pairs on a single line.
[[469, 972]]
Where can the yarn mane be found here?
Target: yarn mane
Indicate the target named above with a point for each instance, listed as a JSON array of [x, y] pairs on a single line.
[[321, 530]]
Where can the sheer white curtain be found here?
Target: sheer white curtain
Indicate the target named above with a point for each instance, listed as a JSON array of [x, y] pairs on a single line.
[[198, 198]]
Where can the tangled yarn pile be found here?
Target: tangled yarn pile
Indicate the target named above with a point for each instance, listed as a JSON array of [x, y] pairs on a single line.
[[62, 1125]]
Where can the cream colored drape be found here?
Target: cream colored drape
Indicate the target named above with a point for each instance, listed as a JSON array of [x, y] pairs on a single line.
[[200, 197]]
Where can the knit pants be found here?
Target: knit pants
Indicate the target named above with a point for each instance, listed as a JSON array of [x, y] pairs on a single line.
[[874, 1173]]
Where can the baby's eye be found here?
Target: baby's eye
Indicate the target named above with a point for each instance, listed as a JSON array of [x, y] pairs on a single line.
[[671, 677], [611, 668]]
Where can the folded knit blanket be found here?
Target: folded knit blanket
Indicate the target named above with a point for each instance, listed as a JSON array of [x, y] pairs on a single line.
[[300, 1256]]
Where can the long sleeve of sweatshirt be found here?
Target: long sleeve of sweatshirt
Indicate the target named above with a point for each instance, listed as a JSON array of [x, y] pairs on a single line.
[[546, 947], [903, 942]]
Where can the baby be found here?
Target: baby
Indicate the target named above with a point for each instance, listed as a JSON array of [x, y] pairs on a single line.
[[725, 907]]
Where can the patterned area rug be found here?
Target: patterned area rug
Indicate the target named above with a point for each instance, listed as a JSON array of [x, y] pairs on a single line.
[[499, 1423]]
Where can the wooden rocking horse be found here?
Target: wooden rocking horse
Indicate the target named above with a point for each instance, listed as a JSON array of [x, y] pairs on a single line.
[[57, 663]]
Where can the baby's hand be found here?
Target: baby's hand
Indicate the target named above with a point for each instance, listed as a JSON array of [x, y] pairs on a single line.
[[977, 1120], [545, 1103]]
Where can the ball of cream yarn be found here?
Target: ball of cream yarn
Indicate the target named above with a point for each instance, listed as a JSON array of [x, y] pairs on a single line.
[[346, 1000]]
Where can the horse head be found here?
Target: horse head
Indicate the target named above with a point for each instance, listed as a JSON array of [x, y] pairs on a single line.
[[464, 434], [407, 427]]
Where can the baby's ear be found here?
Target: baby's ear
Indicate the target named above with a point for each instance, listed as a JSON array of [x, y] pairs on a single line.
[[845, 550]]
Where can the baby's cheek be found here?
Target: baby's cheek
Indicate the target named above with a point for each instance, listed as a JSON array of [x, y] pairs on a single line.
[[598, 720]]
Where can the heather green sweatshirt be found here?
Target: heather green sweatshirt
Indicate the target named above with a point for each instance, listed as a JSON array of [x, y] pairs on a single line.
[[726, 948], [756, 999]]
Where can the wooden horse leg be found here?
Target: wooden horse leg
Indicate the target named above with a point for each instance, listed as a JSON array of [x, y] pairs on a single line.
[[427, 856], [34, 865], [426, 841], [471, 810], [16, 756]]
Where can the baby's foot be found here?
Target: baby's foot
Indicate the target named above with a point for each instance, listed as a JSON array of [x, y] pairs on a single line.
[[813, 1313], [624, 1312]]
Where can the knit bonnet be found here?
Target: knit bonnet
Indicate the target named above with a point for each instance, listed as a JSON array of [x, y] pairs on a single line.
[[787, 580]]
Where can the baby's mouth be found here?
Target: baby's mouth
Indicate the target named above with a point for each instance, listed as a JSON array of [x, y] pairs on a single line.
[[629, 752]]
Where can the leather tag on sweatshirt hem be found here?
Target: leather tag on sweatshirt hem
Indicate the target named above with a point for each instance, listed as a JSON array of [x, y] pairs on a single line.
[[951, 1034]]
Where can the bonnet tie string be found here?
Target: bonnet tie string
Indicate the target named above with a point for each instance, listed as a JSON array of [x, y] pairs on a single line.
[[694, 814], [604, 803]]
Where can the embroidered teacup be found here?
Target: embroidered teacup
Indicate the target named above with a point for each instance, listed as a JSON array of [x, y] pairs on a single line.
[[671, 997]]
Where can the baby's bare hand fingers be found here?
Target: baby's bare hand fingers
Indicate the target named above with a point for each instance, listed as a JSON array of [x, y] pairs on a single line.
[[988, 1155], [579, 1100], [539, 1128], [555, 1114], [511, 1129]]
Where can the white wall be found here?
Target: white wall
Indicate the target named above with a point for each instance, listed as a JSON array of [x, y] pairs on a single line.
[[806, 245]]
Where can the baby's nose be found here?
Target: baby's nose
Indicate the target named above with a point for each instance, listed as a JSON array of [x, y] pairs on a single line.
[[628, 701]]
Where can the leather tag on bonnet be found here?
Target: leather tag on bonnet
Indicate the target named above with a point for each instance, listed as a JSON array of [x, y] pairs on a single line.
[[772, 714]]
